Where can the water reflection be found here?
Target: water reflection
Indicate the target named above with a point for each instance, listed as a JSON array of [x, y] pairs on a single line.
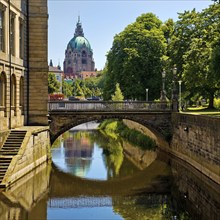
[[23, 197], [85, 154], [168, 188]]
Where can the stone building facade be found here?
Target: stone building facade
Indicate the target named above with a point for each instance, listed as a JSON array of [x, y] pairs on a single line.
[[23, 63], [78, 54], [58, 73]]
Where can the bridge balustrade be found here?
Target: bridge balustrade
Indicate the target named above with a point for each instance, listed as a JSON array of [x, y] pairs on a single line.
[[108, 106]]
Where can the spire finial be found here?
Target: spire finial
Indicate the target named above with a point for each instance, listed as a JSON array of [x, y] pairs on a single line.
[[79, 30]]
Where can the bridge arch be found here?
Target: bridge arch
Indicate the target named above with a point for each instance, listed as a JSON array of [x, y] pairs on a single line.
[[158, 123]]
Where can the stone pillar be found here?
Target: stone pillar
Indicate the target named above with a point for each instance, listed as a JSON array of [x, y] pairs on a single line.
[[37, 89]]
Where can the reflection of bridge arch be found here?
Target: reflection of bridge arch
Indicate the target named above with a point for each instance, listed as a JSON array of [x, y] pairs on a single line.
[[157, 120], [149, 180]]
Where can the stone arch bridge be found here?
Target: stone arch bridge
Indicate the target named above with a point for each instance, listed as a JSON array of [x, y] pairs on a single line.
[[63, 115]]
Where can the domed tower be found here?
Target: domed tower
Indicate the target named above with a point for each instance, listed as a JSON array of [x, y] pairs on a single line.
[[78, 54]]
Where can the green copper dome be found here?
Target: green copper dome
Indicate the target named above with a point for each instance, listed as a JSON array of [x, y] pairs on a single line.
[[78, 43]]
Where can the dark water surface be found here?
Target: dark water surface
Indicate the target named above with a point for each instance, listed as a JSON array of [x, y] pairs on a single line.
[[84, 181]]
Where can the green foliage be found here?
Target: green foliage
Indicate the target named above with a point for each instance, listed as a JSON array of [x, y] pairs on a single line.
[[118, 96], [77, 88], [114, 157], [135, 59], [67, 89], [194, 48], [53, 84], [217, 103], [133, 136]]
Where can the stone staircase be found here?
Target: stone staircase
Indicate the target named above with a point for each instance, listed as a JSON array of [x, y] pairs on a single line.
[[10, 149]]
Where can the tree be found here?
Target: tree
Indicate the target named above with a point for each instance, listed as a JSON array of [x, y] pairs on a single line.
[[77, 88], [67, 89], [53, 84], [118, 96], [194, 48], [136, 58]]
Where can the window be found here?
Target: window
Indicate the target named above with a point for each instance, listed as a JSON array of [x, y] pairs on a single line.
[[12, 35], [2, 89], [13, 91], [21, 39], [84, 61], [2, 28], [84, 54], [22, 94]]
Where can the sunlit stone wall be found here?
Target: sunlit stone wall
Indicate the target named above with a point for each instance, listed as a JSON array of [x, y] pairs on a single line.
[[38, 62], [196, 139], [34, 151]]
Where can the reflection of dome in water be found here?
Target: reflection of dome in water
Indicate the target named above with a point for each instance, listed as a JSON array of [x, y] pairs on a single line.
[[78, 167], [78, 154], [81, 172]]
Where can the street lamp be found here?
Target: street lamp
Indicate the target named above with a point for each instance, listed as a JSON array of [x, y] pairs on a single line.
[[147, 95], [180, 104], [163, 93], [174, 94]]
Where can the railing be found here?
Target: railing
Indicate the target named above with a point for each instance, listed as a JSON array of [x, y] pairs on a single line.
[[106, 106]]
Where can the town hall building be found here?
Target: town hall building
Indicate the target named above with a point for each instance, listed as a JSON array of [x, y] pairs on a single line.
[[78, 55]]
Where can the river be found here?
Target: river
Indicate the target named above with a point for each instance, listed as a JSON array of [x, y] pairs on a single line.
[[85, 181]]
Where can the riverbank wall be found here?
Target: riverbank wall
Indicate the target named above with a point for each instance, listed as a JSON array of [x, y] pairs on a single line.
[[195, 139], [34, 151], [20, 198]]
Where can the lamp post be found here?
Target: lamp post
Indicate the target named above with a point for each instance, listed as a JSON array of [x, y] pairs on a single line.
[[163, 92], [174, 92], [180, 103], [147, 95]]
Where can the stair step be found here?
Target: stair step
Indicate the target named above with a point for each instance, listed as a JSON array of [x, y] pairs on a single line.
[[11, 146], [9, 149], [5, 160], [13, 142], [3, 169], [3, 172], [14, 139], [4, 164], [8, 153], [17, 134]]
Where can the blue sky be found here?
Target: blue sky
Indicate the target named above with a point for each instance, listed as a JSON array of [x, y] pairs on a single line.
[[102, 20]]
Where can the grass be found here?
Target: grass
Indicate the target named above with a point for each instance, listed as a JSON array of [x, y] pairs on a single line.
[[202, 111]]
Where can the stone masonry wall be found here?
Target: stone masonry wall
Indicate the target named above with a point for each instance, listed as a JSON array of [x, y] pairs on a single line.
[[196, 139], [38, 63], [34, 151]]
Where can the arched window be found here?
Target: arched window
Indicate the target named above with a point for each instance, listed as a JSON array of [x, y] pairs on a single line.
[[84, 54], [21, 94], [13, 93], [84, 59], [3, 92]]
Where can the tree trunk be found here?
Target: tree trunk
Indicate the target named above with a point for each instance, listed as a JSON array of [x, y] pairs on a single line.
[[211, 101]]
